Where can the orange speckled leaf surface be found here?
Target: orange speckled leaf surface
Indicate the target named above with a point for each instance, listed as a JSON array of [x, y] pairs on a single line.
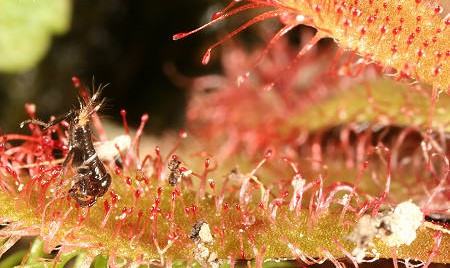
[[410, 36]]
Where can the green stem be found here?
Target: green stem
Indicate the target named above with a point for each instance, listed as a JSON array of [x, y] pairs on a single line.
[[36, 251], [13, 259], [101, 262]]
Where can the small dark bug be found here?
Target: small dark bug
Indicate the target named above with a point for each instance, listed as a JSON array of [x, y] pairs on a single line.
[[201, 233], [175, 173], [91, 178], [195, 232]]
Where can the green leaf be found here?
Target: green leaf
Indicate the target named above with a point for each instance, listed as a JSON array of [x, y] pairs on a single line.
[[42, 264], [36, 251], [101, 262], [386, 100], [13, 259], [65, 258], [26, 28]]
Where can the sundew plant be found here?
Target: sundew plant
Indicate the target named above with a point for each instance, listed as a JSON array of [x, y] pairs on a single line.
[[289, 157]]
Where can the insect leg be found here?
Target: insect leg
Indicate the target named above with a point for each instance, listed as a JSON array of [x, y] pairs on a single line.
[[33, 121], [80, 191], [49, 124], [58, 119], [69, 158]]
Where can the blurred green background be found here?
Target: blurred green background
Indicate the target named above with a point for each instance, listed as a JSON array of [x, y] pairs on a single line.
[[43, 43]]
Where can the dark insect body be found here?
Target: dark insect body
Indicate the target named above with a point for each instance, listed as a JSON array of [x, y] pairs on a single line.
[[91, 179], [175, 174]]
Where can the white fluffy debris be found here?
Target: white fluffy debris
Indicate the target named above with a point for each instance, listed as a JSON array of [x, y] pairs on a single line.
[[405, 220], [204, 257], [394, 227], [110, 150], [205, 234], [363, 234], [201, 235]]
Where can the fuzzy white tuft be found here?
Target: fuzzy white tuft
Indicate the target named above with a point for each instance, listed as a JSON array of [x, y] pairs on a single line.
[[107, 151], [394, 228], [405, 220], [205, 234]]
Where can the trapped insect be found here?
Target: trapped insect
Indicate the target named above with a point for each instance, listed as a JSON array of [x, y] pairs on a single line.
[[175, 173], [91, 178], [196, 230]]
